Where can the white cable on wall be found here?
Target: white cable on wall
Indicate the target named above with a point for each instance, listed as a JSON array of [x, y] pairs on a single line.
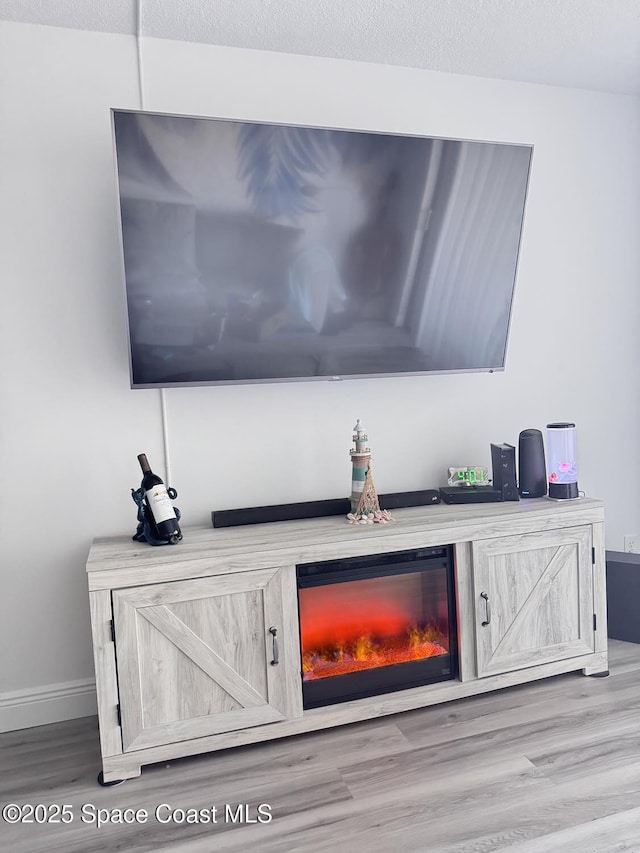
[[165, 438], [163, 400], [139, 52]]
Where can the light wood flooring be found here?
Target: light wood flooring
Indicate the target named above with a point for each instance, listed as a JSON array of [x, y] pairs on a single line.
[[548, 767]]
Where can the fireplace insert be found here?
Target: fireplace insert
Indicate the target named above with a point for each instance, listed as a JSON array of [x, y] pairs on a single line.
[[376, 624]]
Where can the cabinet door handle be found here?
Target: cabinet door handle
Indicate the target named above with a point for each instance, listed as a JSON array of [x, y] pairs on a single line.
[[487, 604], [276, 650]]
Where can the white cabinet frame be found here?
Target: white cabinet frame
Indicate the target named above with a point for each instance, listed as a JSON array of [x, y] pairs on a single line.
[[540, 562]]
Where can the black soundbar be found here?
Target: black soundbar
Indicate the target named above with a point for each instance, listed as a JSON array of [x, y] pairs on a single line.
[[316, 509], [470, 495]]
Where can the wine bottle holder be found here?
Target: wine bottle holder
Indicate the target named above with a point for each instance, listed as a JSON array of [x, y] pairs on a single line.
[[146, 530]]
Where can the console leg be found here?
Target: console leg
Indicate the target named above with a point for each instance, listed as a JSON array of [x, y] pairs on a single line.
[[598, 669], [598, 666], [116, 770], [108, 784]]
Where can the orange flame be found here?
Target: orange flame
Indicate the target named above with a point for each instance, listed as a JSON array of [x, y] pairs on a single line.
[[368, 623]]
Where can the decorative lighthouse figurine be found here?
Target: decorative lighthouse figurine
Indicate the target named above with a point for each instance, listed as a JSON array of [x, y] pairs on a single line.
[[360, 461], [365, 507]]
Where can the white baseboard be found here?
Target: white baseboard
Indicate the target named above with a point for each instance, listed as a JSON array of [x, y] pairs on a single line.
[[38, 706]]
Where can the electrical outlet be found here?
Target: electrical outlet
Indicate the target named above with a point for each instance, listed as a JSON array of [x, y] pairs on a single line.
[[632, 543]]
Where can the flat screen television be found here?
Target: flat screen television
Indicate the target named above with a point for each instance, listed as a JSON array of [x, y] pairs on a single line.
[[257, 252]]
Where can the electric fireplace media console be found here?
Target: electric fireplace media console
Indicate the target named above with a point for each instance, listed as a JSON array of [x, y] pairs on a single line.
[[245, 634]]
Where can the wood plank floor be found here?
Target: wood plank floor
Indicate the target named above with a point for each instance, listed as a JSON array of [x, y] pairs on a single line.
[[550, 767]]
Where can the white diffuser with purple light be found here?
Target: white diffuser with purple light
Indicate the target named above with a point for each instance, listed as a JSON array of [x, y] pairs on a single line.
[[562, 467]]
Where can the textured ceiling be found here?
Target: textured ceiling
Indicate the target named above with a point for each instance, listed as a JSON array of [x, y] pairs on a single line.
[[590, 44]]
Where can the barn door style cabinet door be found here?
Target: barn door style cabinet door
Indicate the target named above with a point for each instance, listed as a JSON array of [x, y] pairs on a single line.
[[197, 646], [201, 657], [534, 599]]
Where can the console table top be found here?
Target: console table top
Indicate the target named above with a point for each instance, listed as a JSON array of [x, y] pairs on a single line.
[[249, 546]]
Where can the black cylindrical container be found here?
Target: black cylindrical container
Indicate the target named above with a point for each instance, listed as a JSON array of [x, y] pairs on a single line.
[[532, 472]]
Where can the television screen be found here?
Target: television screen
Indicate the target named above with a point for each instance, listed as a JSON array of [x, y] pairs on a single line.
[[268, 252]]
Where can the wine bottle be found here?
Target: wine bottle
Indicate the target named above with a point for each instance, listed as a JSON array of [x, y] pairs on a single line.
[[159, 504]]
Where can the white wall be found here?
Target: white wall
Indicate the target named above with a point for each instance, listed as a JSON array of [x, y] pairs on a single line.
[[70, 428]]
